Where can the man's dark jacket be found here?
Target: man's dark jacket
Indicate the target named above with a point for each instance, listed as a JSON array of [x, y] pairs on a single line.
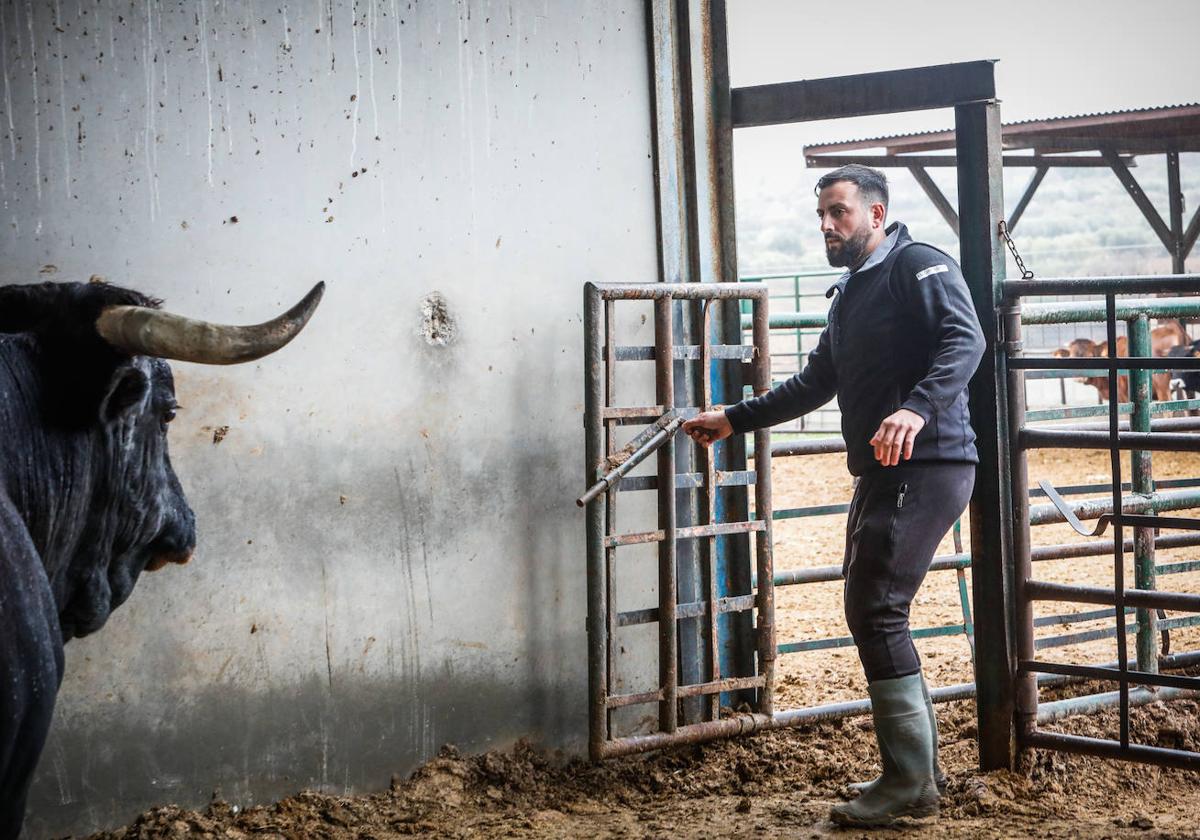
[[902, 333]]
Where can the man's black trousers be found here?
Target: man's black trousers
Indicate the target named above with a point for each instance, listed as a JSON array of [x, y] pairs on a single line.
[[897, 518]]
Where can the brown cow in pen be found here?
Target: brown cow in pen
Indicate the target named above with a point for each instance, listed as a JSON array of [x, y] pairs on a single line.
[[1162, 339]]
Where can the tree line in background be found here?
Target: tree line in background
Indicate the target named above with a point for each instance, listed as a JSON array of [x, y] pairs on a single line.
[[1081, 221]]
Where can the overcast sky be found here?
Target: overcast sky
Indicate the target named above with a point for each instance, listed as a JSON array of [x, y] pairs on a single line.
[[1056, 57]]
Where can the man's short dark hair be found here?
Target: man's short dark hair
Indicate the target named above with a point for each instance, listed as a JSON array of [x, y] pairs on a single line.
[[871, 183]]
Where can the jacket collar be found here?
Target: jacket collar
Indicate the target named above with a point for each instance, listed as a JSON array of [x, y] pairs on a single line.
[[896, 233]]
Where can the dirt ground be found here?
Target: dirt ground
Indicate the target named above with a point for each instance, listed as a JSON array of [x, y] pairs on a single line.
[[782, 783]]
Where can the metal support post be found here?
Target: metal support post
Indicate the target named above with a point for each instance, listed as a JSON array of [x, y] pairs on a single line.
[[596, 584], [1143, 482], [1110, 301], [668, 641], [712, 710], [1025, 689], [610, 508], [719, 264], [1175, 203], [763, 511], [981, 205]]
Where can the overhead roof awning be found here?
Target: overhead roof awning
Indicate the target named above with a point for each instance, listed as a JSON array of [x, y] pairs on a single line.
[[1114, 139], [1142, 131]]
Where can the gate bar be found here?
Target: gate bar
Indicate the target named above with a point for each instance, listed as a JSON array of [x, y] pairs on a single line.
[[597, 595], [1143, 284], [1156, 441], [1110, 749], [668, 628], [767, 650]]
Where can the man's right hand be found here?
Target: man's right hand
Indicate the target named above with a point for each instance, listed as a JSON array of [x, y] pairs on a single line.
[[708, 427]]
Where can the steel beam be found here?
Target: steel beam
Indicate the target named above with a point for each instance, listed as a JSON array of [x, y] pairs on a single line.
[[1189, 235], [981, 207], [1027, 196], [941, 161], [734, 573], [914, 89], [1175, 203], [935, 194], [1048, 143], [1139, 197]]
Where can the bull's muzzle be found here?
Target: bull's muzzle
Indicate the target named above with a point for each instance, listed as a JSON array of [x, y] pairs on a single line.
[[160, 560]]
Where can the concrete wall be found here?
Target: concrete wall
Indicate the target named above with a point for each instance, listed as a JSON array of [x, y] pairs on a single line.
[[389, 555]]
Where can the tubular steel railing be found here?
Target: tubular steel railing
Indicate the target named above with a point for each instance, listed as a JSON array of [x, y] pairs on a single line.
[[797, 291], [605, 481], [1140, 512], [1184, 493], [606, 477]]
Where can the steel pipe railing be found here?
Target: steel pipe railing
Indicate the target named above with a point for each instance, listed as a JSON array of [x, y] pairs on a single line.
[[1141, 438]]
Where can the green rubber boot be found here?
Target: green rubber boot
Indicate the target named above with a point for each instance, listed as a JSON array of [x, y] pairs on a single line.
[[906, 788], [939, 778]]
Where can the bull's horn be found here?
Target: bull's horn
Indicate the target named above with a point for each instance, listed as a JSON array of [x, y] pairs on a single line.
[[151, 332]]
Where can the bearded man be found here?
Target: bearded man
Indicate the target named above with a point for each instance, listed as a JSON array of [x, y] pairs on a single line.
[[901, 344]]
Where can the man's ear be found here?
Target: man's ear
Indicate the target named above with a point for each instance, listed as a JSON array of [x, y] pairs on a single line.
[[127, 393], [878, 214]]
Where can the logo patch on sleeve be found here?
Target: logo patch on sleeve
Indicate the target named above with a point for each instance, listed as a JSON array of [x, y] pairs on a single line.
[[933, 269]]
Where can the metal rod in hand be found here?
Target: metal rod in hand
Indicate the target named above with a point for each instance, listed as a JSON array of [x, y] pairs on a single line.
[[636, 457]]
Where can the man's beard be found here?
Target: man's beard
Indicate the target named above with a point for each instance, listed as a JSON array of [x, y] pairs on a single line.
[[852, 251]]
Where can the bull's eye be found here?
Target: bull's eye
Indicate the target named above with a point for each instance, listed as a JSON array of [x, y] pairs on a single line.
[[169, 414]]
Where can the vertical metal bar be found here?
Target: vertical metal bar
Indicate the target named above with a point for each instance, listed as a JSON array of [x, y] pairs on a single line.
[[1175, 202], [733, 504], [598, 638], [763, 510], [674, 157], [799, 332], [713, 709], [689, 574], [668, 640], [1025, 688], [610, 507], [1110, 304], [981, 207], [964, 600], [964, 597], [1143, 482]]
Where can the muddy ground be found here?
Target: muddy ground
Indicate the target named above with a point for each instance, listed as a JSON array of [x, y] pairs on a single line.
[[782, 783]]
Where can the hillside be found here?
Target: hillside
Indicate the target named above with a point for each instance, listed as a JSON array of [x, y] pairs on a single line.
[[1080, 222]]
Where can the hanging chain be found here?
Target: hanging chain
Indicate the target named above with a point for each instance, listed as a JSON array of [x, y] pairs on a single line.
[[1026, 274]]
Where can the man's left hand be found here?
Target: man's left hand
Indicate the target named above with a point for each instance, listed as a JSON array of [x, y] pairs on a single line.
[[897, 434]]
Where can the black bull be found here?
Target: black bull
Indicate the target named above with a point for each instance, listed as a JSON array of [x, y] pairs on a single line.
[[88, 498]]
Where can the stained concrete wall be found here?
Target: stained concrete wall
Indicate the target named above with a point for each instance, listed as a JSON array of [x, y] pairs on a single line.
[[389, 557]]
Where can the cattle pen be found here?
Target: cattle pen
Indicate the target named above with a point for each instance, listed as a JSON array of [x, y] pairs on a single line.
[[445, 565], [1151, 496]]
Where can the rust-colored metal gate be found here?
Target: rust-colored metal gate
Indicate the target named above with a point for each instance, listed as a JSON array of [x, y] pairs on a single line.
[[607, 466]]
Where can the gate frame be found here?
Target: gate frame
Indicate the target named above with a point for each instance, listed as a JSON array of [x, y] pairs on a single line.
[[970, 89], [1143, 439], [695, 112]]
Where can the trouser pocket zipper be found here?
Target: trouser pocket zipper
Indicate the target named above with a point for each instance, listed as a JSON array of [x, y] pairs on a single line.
[[900, 496]]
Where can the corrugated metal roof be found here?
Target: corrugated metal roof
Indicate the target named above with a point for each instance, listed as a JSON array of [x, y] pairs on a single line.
[[1099, 118]]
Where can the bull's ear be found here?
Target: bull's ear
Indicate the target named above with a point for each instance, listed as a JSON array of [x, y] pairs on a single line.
[[127, 393]]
